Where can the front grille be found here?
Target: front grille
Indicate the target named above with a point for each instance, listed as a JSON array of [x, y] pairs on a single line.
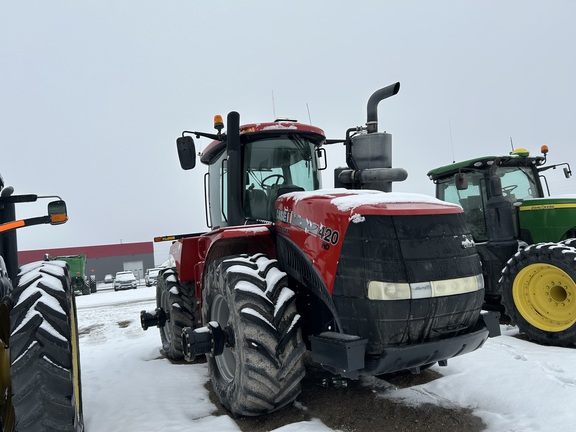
[[407, 249]]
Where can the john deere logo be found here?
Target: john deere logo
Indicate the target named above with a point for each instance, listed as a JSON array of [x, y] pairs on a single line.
[[548, 206]]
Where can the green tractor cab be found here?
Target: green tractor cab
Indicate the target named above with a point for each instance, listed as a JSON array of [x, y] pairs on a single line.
[[525, 238], [80, 282]]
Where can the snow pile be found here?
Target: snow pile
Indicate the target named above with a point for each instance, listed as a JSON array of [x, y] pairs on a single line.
[[512, 384]]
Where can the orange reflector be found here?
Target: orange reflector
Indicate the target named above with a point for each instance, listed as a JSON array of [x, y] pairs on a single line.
[[58, 218], [165, 238], [12, 225]]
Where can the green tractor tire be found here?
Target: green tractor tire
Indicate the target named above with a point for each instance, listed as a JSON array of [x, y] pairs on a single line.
[[44, 351], [538, 288]]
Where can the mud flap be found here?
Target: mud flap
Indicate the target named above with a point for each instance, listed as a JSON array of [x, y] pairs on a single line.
[[492, 321]]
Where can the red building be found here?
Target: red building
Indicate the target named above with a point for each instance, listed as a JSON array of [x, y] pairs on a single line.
[[102, 259]]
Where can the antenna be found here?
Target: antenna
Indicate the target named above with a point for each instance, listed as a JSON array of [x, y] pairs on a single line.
[[273, 105], [451, 142], [308, 109], [511, 144]]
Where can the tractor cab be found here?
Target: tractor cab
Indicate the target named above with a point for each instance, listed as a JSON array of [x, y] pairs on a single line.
[[468, 185], [514, 180], [272, 159], [508, 207]]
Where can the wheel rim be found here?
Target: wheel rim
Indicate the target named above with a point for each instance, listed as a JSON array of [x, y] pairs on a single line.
[[545, 297], [226, 362], [165, 304]]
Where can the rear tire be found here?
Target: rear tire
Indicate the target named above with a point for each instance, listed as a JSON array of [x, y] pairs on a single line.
[[571, 242], [92, 283], [538, 287], [262, 364], [6, 408], [44, 350], [182, 310], [85, 288]]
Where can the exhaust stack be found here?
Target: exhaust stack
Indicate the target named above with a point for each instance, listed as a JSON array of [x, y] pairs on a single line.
[[372, 107], [369, 155]]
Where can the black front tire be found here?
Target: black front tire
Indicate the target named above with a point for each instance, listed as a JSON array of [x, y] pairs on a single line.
[[44, 350], [538, 288], [182, 310], [262, 364]]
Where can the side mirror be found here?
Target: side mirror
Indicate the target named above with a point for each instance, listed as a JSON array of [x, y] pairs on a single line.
[[461, 181], [57, 212], [567, 172], [322, 161], [186, 152]]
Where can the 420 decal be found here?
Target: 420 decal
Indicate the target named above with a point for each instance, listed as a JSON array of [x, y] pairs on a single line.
[[328, 235]]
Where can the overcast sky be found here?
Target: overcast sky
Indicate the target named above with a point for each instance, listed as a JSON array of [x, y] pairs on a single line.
[[93, 94]]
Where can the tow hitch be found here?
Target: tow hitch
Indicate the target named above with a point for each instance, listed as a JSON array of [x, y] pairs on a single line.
[[209, 339], [156, 318]]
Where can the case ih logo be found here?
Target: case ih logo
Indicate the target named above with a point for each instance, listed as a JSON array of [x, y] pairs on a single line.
[[326, 234]]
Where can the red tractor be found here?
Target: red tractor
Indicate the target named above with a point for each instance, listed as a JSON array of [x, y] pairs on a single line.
[[369, 281]]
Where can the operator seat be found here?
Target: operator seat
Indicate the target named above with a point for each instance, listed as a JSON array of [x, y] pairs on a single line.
[[278, 190], [256, 204]]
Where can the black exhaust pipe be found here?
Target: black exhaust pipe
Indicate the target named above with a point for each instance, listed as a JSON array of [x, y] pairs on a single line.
[[377, 96], [235, 174]]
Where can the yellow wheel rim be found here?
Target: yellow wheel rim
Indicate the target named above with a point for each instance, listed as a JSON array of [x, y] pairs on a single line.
[[545, 296]]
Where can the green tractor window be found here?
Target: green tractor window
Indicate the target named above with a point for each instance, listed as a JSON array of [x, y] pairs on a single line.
[[472, 199], [518, 183]]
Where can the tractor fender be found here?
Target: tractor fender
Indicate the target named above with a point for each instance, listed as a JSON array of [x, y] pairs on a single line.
[[298, 265], [192, 254]]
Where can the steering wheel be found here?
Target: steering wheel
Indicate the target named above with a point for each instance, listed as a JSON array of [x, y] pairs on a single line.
[[508, 189], [278, 177]]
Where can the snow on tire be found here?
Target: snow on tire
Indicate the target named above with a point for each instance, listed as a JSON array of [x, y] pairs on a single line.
[[262, 364], [44, 350], [569, 242], [182, 310], [538, 287]]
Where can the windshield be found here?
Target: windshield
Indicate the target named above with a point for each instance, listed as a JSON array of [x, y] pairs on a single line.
[[518, 183], [289, 160], [272, 164]]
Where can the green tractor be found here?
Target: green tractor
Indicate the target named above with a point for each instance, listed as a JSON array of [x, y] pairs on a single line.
[[525, 238], [40, 387], [77, 264]]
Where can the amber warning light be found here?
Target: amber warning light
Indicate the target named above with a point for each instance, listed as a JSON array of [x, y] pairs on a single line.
[[218, 123]]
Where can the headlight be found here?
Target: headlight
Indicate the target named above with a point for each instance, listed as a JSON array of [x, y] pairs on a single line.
[[378, 290], [388, 291]]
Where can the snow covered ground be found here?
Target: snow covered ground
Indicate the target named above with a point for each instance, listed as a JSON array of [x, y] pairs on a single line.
[[513, 385]]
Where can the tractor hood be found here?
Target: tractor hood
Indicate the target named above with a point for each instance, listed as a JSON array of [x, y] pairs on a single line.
[[317, 221], [548, 219]]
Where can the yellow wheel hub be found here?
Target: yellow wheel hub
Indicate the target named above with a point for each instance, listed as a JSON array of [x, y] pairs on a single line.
[[545, 296]]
